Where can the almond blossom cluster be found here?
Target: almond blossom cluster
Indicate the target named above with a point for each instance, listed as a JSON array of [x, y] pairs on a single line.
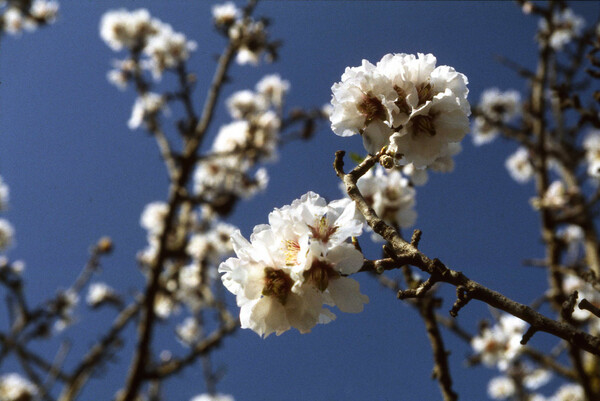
[[495, 107], [19, 16], [500, 344], [139, 33], [295, 265], [252, 137], [403, 102], [249, 35], [565, 26]]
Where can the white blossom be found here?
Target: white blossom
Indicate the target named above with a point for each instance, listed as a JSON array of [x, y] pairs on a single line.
[[7, 233], [500, 344], [519, 166], [295, 265], [188, 332], [569, 392], [124, 29], [213, 397], [273, 88], [4, 194], [225, 14], [404, 102], [495, 107], [501, 388], [13, 387], [99, 293], [167, 49], [146, 106], [566, 26], [390, 195], [252, 38]]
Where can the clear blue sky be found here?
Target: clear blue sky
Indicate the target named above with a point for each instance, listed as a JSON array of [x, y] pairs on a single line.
[[76, 172]]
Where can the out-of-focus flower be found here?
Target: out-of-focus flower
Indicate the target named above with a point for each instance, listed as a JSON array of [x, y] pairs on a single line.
[[295, 265], [495, 107], [99, 293], [188, 332], [13, 387], [4, 194], [145, 107], [569, 392], [167, 49], [591, 145], [273, 88], [500, 344], [501, 388], [225, 14], [519, 166], [213, 397], [122, 29], [7, 233], [566, 26], [252, 39]]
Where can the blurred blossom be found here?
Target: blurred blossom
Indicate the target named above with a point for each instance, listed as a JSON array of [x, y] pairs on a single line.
[[14, 387], [519, 166], [569, 392], [4, 194], [7, 233], [225, 14], [146, 106], [566, 26], [501, 388], [188, 332], [213, 397], [495, 107], [500, 344]]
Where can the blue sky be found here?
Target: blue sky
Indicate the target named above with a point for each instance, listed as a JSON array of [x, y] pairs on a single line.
[[76, 172]]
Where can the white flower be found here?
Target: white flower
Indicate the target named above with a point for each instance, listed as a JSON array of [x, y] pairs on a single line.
[[294, 266], [153, 217], [519, 166], [146, 106], [252, 38], [566, 26], [591, 145], [404, 102], [500, 344], [225, 14], [495, 107], [213, 397], [390, 195], [244, 103], [44, 10], [14, 387], [501, 388], [569, 392], [4, 194], [189, 331], [123, 29], [432, 107], [167, 49], [273, 88], [363, 102], [99, 293], [7, 233]]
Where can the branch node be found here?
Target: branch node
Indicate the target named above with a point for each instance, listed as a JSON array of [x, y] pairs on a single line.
[[463, 296], [528, 334], [416, 238]]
